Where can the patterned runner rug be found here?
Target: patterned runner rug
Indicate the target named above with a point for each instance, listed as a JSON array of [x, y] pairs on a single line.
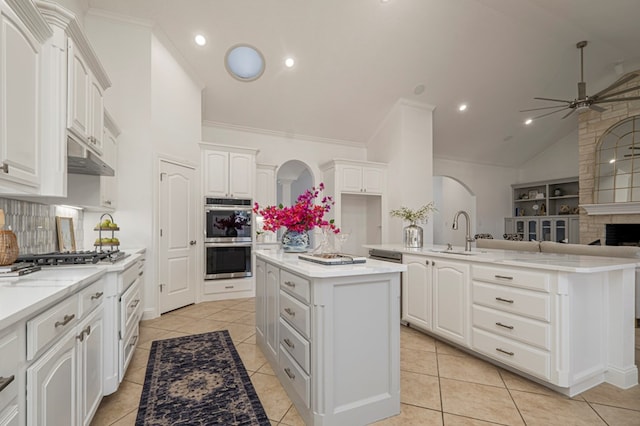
[[198, 380]]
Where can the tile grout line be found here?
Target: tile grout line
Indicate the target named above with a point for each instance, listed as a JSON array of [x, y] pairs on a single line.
[[515, 404]]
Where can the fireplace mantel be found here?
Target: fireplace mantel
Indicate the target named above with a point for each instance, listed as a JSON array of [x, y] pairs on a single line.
[[612, 208]]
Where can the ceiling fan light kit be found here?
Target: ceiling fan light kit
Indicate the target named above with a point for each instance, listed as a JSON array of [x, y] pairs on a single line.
[[583, 101]]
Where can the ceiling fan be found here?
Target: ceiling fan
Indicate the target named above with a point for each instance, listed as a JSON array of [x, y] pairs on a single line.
[[583, 101]]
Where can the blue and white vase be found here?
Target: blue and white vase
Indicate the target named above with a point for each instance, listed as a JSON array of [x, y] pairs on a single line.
[[295, 242]]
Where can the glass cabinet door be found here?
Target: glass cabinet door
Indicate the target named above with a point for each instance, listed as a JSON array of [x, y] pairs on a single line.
[[520, 228], [560, 227], [532, 230], [545, 229]]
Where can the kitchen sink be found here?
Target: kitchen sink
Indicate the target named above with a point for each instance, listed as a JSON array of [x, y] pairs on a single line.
[[458, 252]]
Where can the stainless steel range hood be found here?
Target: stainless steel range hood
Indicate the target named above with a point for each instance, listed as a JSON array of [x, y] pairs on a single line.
[[82, 161]]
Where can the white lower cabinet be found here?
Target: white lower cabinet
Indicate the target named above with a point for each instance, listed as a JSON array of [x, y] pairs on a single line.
[[434, 296], [64, 384], [272, 310], [11, 357]]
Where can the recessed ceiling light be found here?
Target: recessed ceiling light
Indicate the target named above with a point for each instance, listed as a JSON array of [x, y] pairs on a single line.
[[384, 1], [289, 62], [462, 107], [528, 121], [200, 40], [613, 160]]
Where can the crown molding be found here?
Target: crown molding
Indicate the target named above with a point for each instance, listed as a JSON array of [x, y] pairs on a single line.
[[32, 18]]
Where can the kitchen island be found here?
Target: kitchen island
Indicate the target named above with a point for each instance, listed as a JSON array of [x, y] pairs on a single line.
[[565, 321], [332, 336]]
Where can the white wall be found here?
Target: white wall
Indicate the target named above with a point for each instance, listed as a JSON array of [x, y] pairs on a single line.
[[404, 141], [491, 186], [276, 150], [560, 160]]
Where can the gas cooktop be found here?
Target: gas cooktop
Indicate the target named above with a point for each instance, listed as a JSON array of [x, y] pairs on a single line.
[[73, 258]]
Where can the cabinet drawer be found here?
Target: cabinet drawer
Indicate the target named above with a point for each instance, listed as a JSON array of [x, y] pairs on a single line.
[[294, 377], [296, 313], [9, 354], [295, 285], [228, 286], [509, 299], [127, 348], [533, 280], [519, 355], [131, 306], [91, 297], [129, 276], [297, 346], [50, 324], [515, 327]]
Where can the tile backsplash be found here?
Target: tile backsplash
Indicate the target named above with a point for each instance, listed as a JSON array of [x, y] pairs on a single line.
[[35, 224]]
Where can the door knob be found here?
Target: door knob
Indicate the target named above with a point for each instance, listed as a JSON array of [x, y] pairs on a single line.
[[192, 242]]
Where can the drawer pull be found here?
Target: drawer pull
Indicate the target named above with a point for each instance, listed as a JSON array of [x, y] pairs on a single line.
[[5, 381], [505, 352], [290, 312], [85, 332], [503, 277], [228, 286], [290, 284], [98, 295], [65, 321], [135, 303], [290, 374], [140, 273], [288, 343], [134, 340], [500, 299], [510, 327]]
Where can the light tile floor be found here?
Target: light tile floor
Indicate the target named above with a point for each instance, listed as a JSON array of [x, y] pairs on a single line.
[[439, 384]]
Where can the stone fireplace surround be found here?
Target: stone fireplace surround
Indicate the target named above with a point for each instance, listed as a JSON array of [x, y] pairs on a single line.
[[591, 126]]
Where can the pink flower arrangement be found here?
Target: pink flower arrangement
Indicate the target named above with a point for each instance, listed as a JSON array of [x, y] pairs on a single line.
[[303, 216]]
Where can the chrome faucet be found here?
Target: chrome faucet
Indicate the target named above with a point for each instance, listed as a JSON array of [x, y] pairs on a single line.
[[468, 240]]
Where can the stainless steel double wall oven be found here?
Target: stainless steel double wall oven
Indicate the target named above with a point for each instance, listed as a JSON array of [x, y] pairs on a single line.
[[228, 238]]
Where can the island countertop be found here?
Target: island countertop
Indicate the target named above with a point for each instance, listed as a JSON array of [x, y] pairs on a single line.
[[291, 262], [524, 259]]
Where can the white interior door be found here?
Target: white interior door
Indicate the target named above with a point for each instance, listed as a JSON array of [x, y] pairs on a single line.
[[177, 236]]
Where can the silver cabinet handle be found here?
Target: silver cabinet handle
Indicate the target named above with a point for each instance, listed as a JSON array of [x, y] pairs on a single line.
[[65, 320], [133, 341], [98, 295], [134, 303], [85, 332], [500, 299], [503, 277], [192, 242], [290, 284], [290, 312], [228, 286], [107, 202], [6, 381], [288, 343], [290, 374], [140, 273], [510, 327], [505, 352]]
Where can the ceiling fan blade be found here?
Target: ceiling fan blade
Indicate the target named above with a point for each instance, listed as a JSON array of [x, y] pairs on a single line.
[[620, 92], [630, 98], [547, 107], [569, 113], [553, 100], [549, 113], [616, 84], [596, 108]]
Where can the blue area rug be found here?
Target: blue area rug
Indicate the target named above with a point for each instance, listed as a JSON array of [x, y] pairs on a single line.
[[198, 380]]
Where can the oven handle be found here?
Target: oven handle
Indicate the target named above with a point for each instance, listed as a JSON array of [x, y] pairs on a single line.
[[222, 245], [228, 208]]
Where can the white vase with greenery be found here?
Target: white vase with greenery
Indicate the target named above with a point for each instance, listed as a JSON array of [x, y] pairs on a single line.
[[413, 233]]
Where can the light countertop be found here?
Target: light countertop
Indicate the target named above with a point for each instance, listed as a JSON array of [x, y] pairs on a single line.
[[524, 259], [291, 262]]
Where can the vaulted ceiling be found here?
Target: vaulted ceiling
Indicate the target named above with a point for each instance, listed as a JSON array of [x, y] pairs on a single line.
[[356, 58]]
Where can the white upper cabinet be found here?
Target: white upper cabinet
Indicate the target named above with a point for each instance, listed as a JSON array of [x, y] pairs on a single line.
[[228, 171], [85, 105], [360, 177], [23, 31], [265, 185]]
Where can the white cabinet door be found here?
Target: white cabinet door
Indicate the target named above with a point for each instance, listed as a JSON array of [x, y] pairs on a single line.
[[91, 365], [351, 178], [20, 95], [52, 384], [272, 310], [450, 289], [109, 184], [96, 129], [265, 193], [260, 298], [78, 92], [216, 173], [373, 180], [241, 174], [417, 292]]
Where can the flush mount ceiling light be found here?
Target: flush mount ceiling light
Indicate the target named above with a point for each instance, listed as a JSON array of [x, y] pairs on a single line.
[[200, 40], [244, 62], [289, 62]]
